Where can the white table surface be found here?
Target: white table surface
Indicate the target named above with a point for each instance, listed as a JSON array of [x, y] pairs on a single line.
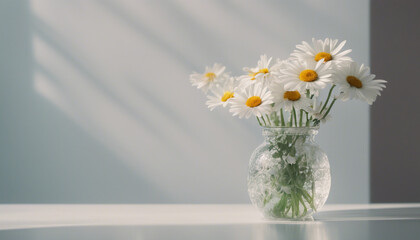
[[369, 221]]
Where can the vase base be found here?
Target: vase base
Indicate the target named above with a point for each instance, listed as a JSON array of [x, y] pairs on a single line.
[[303, 219]]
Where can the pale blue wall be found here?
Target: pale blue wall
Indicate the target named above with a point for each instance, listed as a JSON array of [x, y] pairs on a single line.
[[96, 106]]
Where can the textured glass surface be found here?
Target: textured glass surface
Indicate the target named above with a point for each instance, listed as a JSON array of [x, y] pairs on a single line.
[[289, 174]]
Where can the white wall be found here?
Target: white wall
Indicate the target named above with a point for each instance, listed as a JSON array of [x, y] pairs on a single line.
[[96, 105]]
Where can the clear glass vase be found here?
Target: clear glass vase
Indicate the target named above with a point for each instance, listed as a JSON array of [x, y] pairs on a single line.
[[289, 174]]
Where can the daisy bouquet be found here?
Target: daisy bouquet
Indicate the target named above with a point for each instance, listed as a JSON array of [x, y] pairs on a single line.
[[286, 94]]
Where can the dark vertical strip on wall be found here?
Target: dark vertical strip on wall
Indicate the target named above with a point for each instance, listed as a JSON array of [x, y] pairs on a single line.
[[395, 116], [15, 81]]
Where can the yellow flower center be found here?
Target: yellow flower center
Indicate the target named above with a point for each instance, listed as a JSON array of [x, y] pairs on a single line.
[[354, 82], [226, 96], [253, 101], [291, 95], [323, 55], [264, 70], [210, 76], [308, 75]]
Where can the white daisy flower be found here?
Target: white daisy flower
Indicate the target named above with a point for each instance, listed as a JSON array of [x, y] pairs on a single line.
[[301, 75], [222, 95], [263, 73], [315, 112], [254, 100], [356, 82], [212, 77], [327, 50], [288, 99]]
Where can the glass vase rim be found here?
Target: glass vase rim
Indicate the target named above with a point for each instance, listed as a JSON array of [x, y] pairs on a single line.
[[284, 127]]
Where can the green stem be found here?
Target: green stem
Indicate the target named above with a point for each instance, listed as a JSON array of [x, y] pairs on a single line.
[[313, 193], [282, 117], [276, 119], [328, 98], [297, 204], [309, 199], [259, 121], [329, 108], [301, 118], [287, 210], [291, 120], [305, 210], [294, 114], [307, 119], [292, 202], [268, 118], [262, 117]]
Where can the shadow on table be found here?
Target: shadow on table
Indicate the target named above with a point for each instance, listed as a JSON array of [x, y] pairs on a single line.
[[380, 223], [412, 213]]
